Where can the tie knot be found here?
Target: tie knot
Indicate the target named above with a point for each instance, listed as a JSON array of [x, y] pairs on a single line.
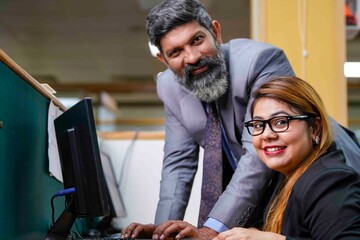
[[212, 109]]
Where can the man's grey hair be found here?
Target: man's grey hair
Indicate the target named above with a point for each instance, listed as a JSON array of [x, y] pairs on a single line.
[[171, 14]]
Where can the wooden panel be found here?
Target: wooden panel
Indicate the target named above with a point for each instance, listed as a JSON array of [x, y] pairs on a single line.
[[160, 135]]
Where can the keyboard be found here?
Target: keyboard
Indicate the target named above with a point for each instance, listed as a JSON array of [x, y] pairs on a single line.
[[118, 238], [114, 236], [110, 238]]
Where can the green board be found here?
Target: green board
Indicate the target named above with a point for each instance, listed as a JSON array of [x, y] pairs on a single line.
[[26, 187]]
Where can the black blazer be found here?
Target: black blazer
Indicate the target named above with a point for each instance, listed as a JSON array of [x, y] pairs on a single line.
[[325, 201]]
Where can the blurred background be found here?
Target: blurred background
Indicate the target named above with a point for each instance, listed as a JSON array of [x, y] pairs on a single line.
[[100, 49]]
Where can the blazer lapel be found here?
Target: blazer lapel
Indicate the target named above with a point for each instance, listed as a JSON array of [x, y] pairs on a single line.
[[194, 117], [227, 115]]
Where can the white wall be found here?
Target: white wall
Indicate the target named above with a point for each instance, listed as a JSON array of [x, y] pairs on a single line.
[[138, 166]]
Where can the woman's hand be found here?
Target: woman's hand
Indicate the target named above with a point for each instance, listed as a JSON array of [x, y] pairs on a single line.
[[248, 234]]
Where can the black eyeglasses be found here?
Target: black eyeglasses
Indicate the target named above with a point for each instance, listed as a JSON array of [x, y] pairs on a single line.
[[277, 124]]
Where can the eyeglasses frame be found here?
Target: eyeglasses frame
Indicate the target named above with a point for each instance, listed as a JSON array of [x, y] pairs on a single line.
[[289, 118]]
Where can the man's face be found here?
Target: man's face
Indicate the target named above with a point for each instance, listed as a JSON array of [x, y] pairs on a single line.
[[193, 54]]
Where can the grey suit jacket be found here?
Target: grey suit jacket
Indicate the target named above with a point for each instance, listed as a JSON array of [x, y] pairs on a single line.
[[250, 64]]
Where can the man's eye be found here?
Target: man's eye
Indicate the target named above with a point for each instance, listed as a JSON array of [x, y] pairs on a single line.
[[198, 39], [174, 53]]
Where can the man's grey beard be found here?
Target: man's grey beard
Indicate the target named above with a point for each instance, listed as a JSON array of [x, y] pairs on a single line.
[[209, 85]]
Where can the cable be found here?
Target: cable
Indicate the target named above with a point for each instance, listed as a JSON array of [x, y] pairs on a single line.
[[78, 235], [126, 157], [63, 192], [82, 227], [124, 161], [302, 20]]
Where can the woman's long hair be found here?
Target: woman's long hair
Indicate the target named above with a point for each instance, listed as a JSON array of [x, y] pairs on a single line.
[[302, 98]]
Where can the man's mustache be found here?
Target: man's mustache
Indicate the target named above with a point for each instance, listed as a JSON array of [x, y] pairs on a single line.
[[206, 61]]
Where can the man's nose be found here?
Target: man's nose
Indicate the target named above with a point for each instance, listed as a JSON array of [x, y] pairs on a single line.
[[192, 56]]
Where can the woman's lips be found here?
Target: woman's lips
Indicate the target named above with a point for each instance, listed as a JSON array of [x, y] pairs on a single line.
[[273, 150]]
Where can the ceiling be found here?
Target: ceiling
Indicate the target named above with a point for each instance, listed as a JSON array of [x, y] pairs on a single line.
[[64, 41], [87, 48], [89, 43]]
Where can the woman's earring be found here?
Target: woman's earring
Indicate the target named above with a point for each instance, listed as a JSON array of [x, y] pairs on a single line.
[[316, 140]]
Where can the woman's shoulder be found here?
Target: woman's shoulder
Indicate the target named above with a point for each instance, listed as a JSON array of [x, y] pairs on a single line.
[[326, 199], [327, 171], [333, 160]]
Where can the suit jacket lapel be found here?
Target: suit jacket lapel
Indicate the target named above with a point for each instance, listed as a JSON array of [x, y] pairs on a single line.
[[227, 115], [194, 117]]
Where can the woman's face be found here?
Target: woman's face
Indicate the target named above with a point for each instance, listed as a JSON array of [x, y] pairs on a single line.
[[284, 151]]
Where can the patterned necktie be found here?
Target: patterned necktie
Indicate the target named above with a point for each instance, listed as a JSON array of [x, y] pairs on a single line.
[[212, 166]]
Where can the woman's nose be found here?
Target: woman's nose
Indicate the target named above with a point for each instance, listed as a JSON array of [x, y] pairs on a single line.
[[268, 133]]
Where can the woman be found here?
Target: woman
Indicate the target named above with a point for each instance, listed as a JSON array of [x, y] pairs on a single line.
[[319, 196]]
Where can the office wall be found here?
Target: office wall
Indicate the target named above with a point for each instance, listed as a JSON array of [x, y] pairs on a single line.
[[312, 34], [137, 164]]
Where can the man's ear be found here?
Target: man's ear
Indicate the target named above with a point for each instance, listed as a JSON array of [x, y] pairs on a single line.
[[216, 27], [161, 58]]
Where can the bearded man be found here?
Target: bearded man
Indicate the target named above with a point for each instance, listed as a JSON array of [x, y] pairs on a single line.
[[202, 70]]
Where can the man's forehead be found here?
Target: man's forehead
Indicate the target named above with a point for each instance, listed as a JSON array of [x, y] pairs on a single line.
[[182, 33]]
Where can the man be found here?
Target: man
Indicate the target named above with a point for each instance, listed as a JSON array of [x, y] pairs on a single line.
[[202, 70]]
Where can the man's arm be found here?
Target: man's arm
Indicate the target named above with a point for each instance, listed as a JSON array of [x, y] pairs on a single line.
[[180, 159]]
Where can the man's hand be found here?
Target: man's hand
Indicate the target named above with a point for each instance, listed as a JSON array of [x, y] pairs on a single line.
[[137, 230], [180, 229]]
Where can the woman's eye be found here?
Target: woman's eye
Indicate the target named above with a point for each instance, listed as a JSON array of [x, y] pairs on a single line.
[[258, 125], [280, 122]]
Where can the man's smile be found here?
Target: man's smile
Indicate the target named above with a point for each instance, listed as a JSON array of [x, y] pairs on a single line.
[[199, 70]]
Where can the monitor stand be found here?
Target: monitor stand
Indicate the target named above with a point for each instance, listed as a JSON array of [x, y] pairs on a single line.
[[103, 228], [62, 227]]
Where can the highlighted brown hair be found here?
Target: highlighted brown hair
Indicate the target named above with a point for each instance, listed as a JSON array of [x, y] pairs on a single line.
[[301, 97]]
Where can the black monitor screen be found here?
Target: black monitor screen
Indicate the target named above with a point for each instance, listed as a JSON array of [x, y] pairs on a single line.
[[80, 161]]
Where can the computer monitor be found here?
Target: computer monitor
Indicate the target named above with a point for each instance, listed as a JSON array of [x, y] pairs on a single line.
[[117, 207], [81, 167]]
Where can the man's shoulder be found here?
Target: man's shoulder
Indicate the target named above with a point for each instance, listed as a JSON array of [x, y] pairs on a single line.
[[166, 79], [246, 43], [167, 86], [242, 49]]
